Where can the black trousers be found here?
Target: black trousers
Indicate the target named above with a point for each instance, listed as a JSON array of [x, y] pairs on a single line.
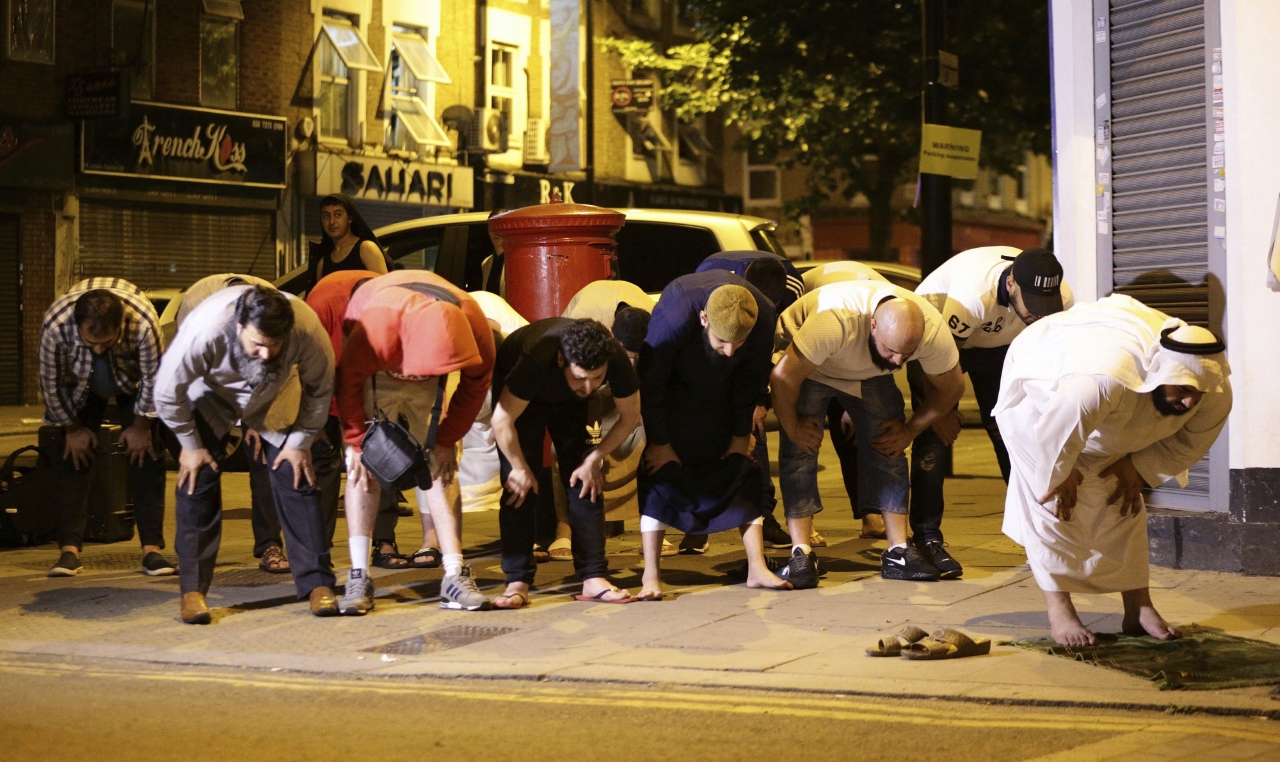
[[326, 459], [570, 425], [199, 515], [847, 452], [146, 482], [930, 458]]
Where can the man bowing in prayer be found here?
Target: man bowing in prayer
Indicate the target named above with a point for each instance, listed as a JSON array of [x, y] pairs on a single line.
[[1095, 404], [704, 366]]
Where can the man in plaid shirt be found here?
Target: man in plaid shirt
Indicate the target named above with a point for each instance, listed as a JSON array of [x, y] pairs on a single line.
[[101, 340]]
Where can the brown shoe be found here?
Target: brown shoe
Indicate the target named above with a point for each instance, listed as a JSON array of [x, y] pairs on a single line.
[[194, 609], [323, 602]]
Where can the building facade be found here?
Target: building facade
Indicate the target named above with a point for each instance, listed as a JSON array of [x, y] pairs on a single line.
[[165, 140]]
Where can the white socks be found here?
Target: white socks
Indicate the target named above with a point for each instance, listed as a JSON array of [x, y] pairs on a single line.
[[650, 524], [360, 549], [805, 549], [452, 563], [899, 545]]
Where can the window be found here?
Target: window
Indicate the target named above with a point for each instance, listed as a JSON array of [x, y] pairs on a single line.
[[133, 42], [343, 53], [762, 183], [652, 254], [502, 82], [1023, 178], [693, 145], [646, 139], [995, 192], [219, 61], [413, 71], [417, 249]]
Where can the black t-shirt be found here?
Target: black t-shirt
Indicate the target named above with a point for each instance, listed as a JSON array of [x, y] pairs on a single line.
[[528, 366]]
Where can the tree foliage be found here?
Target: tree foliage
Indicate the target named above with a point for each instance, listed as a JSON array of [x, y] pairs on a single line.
[[835, 85]]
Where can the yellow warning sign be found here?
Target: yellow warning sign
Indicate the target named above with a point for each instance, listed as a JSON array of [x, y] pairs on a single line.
[[950, 151]]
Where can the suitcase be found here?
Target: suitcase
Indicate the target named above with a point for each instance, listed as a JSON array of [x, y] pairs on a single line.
[[25, 518], [110, 510]]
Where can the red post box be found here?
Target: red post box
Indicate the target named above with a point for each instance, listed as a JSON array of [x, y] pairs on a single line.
[[552, 251]]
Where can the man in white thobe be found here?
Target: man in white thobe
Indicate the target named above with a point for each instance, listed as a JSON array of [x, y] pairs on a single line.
[[1095, 404]]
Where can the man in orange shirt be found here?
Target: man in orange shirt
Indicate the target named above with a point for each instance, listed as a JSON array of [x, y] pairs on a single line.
[[408, 331]]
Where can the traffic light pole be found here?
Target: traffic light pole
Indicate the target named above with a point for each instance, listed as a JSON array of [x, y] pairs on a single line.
[[935, 190]]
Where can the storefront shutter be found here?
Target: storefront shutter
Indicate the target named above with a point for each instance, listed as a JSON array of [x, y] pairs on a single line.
[[10, 311], [164, 246], [1160, 232]]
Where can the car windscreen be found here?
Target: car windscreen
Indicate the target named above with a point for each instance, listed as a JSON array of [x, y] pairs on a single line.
[[652, 254], [414, 249]]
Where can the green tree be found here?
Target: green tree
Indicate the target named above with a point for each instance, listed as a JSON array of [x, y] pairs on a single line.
[[834, 86]]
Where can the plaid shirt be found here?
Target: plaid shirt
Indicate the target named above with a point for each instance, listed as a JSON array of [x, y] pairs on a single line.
[[66, 362]]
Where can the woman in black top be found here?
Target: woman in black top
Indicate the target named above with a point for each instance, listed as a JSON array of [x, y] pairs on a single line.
[[348, 244]]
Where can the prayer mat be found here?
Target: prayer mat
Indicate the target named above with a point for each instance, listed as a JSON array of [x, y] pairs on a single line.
[[1203, 659]]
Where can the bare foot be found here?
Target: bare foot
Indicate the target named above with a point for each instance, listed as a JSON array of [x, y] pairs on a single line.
[[1148, 621], [651, 591], [1064, 623], [594, 586], [767, 580], [516, 596], [873, 525]]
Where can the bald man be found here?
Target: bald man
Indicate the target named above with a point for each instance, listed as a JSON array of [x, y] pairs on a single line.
[[843, 341]]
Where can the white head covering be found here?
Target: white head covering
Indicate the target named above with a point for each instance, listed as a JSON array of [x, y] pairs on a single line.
[[1116, 337]]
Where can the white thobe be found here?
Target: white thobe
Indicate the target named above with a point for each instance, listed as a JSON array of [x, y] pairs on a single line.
[[1089, 422]]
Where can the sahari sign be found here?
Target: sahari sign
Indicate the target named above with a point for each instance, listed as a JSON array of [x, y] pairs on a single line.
[[187, 144], [395, 180]]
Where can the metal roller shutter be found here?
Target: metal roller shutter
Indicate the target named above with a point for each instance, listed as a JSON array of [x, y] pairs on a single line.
[[10, 311], [156, 246], [1155, 221]]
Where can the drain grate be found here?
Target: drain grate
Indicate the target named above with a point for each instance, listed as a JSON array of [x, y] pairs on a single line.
[[96, 562], [244, 577], [441, 640]]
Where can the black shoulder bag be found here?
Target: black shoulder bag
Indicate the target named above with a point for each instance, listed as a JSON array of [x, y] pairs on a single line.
[[389, 451]]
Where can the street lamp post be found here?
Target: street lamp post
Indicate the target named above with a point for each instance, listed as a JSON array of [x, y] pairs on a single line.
[[935, 190]]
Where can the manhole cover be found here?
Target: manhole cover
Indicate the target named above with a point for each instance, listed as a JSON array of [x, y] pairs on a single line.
[[96, 562], [441, 640], [244, 577]]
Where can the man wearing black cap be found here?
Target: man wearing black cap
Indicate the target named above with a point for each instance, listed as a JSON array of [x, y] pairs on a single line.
[[986, 296]]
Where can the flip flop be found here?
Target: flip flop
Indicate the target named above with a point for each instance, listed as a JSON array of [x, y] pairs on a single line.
[[946, 644], [561, 550], [424, 558], [817, 540], [893, 646], [669, 550], [524, 601], [599, 597]]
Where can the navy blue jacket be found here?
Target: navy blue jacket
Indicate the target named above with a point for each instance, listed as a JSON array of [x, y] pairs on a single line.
[[736, 262]]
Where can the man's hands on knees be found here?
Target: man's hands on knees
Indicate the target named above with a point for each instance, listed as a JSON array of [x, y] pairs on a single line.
[[253, 440], [658, 455], [895, 437], [757, 420], [808, 434], [80, 443], [1129, 485], [519, 483], [137, 441], [738, 446], [444, 463], [948, 425], [301, 462], [1064, 495], [189, 464], [591, 474]]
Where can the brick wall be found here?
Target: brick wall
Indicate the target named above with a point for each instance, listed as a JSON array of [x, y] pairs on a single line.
[[177, 59]]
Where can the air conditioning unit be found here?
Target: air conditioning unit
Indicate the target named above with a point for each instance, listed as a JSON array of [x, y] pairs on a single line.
[[535, 142], [489, 132]]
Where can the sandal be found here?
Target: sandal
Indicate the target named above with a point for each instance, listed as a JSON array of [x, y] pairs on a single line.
[[561, 550], [424, 558], [524, 600], [540, 555], [669, 550], [600, 597], [893, 646], [817, 540], [393, 560], [274, 561], [946, 644]]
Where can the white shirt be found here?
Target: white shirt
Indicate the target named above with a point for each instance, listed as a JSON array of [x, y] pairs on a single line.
[[599, 300], [495, 308], [206, 287], [831, 326], [838, 272], [965, 289]]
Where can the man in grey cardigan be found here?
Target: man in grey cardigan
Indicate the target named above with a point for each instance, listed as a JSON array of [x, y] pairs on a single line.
[[232, 358]]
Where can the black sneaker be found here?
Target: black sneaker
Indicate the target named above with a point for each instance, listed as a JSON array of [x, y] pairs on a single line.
[[801, 570], [68, 565], [774, 535], [948, 566], [694, 544], [907, 564], [155, 565], [740, 573]]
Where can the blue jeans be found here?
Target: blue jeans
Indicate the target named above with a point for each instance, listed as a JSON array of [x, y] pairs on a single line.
[[930, 458], [883, 484]]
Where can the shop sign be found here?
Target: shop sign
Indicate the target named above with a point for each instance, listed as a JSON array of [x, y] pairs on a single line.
[[395, 180], [631, 96], [37, 154], [528, 190], [94, 95], [187, 144]]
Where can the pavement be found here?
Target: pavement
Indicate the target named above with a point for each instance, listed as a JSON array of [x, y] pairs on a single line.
[[708, 634]]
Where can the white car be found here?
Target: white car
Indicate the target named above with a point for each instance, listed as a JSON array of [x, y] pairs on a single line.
[[654, 246]]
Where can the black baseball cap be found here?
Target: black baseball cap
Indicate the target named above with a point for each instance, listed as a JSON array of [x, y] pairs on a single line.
[[1039, 277]]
